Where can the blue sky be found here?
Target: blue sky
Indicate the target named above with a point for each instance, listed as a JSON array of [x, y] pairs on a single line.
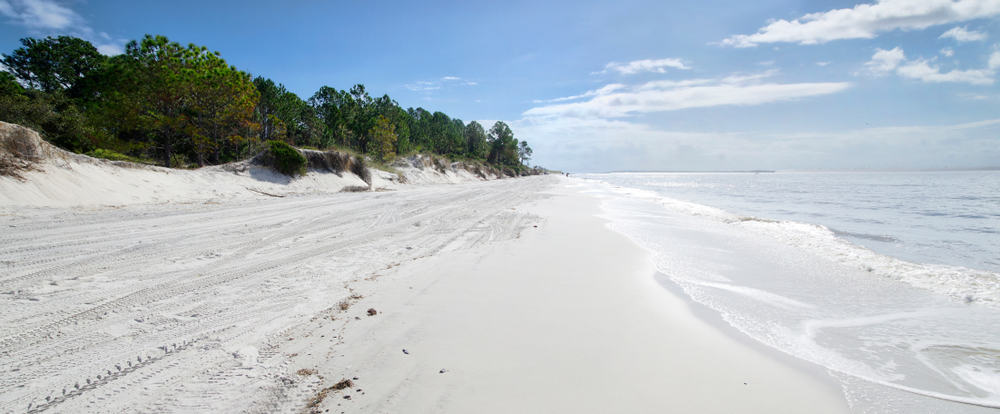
[[625, 85]]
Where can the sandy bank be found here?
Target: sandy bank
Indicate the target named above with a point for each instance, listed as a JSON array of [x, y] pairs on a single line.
[[47, 176]]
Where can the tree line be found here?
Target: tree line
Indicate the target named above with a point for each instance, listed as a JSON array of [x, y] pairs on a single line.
[[179, 105]]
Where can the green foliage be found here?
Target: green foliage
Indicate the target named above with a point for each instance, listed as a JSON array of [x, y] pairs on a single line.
[[184, 105], [383, 140], [54, 63], [9, 85], [503, 147], [184, 100], [524, 152], [475, 140], [54, 115], [287, 159], [115, 156], [283, 115]]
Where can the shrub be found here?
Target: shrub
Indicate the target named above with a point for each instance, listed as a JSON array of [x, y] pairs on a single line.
[[114, 156], [287, 160]]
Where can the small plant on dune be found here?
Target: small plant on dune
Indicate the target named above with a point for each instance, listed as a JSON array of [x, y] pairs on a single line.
[[115, 156], [287, 160]]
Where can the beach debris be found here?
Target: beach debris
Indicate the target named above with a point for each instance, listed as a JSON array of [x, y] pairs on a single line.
[[355, 378], [347, 397], [442, 371], [372, 312], [406, 352], [346, 383]]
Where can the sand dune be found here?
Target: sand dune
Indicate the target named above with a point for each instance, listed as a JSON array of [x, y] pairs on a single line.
[[52, 177]]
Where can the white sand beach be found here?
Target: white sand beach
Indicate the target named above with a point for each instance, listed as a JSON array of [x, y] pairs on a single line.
[[508, 296], [483, 296]]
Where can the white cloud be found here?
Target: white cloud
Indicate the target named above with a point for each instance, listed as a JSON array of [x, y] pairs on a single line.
[[924, 71], [661, 96], [110, 49], [443, 82], [604, 90], [423, 86], [994, 62], [40, 14], [822, 64], [47, 17], [645, 65], [865, 21], [962, 34], [884, 62], [948, 52]]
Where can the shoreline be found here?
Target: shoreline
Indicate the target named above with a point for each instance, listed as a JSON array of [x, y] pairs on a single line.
[[563, 336]]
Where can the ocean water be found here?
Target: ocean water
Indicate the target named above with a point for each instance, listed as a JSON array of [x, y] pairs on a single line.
[[888, 280]]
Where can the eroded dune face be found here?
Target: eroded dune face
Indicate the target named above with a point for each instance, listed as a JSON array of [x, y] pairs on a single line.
[[21, 149], [34, 173]]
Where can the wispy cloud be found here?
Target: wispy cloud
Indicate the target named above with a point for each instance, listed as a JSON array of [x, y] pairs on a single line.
[[40, 14], [963, 34], [423, 86], [645, 65], [926, 71], [616, 101], [601, 145], [48, 17], [604, 90], [436, 84], [865, 21], [884, 62]]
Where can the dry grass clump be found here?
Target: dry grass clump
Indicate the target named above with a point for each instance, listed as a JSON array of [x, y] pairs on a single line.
[[355, 189], [332, 161], [306, 372], [321, 395], [359, 168]]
